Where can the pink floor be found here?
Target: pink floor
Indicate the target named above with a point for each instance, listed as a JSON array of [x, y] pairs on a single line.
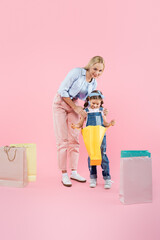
[[48, 210]]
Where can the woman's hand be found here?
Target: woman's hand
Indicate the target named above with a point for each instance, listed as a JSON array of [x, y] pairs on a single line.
[[80, 111]]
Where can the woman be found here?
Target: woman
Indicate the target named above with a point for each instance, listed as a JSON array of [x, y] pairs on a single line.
[[78, 84]]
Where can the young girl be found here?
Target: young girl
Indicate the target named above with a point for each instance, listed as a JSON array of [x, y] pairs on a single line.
[[97, 116]]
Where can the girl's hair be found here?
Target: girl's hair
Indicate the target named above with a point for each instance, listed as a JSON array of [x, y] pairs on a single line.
[[86, 104], [94, 60]]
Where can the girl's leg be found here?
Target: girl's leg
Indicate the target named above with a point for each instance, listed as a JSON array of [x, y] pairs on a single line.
[[92, 169], [105, 161], [93, 174]]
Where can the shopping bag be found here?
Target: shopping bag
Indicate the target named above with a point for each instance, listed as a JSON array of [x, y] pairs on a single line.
[[31, 159], [135, 177], [93, 136], [13, 167]]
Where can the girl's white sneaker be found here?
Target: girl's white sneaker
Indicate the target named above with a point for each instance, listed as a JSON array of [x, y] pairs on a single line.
[[93, 182], [108, 183]]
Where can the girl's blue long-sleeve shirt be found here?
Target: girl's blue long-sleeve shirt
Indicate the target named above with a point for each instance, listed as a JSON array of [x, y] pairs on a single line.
[[76, 86]]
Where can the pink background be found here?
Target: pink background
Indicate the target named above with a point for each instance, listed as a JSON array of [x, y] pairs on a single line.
[[40, 42]]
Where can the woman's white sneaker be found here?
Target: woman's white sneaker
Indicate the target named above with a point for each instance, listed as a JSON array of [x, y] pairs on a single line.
[[93, 182], [77, 177], [66, 181]]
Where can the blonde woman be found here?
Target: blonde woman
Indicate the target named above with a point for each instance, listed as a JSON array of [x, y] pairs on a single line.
[[78, 84]]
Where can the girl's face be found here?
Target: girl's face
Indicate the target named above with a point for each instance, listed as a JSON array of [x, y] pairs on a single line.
[[96, 70], [95, 103]]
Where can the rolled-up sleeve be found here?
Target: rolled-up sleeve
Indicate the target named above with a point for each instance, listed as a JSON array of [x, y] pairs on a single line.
[[71, 77]]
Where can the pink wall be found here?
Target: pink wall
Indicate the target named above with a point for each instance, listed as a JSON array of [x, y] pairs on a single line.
[[42, 40]]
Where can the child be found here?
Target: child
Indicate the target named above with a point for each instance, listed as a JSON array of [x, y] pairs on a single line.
[[96, 115]]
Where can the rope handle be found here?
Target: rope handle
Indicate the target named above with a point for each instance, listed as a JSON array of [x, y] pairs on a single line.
[[6, 150]]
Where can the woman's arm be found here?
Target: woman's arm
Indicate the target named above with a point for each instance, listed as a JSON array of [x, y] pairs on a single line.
[[65, 86], [77, 109]]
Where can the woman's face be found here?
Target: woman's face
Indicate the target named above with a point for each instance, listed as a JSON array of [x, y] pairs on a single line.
[[96, 70]]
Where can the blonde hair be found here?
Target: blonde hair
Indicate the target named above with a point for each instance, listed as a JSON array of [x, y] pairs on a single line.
[[94, 60]]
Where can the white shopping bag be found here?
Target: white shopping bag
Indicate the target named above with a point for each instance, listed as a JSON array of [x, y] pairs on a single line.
[[135, 177]]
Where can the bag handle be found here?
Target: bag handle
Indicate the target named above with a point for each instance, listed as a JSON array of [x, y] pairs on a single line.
[[7, 149]]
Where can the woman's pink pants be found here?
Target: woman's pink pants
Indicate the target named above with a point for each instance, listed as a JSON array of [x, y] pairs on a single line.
[[67, 139]]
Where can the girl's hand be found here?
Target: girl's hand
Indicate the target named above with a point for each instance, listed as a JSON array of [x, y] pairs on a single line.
[[112, 122], [79, 110], [105, 112]]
